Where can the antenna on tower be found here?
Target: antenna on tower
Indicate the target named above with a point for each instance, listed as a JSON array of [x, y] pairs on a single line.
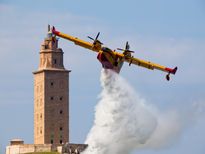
[[49, 33], [48, 30]]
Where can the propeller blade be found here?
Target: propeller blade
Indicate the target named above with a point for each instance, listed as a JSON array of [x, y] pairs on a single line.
[[130, 51], [96, 39], [97, 36], [127, 46], [90, 38], [120, 49]]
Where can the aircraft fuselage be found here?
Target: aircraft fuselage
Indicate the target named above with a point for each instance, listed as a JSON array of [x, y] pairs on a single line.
[[109, 60]]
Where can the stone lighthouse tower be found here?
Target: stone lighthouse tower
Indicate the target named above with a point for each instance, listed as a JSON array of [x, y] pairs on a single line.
[[51, 105], [51, 95]]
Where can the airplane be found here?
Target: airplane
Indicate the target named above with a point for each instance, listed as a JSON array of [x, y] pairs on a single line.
[[110, 59]]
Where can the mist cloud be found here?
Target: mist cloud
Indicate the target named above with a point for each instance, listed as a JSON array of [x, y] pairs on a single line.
[[125, 122]]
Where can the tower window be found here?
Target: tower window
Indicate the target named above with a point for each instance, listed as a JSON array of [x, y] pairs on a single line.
[[61, 141], [61, 112], [52, 83], [55, 61], [51, 141], [61, 128], [61, 98], [51, 98]]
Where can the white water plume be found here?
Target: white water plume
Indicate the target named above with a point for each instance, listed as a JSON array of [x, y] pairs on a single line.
[[125, 122]]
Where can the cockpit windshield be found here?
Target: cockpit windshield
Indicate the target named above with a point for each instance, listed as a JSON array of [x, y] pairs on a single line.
[[106, 49]]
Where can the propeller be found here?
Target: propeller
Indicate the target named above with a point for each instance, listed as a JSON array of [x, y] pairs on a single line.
[[96, 38], [127, 47]]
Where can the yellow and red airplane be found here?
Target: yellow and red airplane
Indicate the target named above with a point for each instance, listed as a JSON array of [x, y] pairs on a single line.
[[110, 59]]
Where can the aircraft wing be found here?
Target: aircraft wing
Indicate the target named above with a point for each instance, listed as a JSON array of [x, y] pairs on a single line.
[[142, 63], [77, 41], [149, 65]]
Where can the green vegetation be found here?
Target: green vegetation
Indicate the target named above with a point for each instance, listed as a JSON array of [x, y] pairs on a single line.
[[43, 153]]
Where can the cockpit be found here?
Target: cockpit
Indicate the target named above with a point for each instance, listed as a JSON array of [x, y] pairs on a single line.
[[106, 49]]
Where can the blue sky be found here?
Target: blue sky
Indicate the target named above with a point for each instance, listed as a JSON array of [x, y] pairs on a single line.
[[169, 33]]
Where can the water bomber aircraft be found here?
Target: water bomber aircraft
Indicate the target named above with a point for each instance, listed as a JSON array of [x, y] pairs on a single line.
[[110, 59]]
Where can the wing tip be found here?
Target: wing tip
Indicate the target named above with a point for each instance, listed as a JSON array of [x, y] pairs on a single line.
[[174, 70]]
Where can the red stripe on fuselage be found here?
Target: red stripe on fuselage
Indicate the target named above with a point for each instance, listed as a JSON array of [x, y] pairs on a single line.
[[99, 56], [104, 61]]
